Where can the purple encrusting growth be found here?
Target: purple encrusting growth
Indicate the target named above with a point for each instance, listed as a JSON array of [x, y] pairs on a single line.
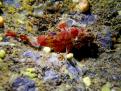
[[88, 19], [51, 75], [18, 5], [12, 2], [31, 54], [23, 84], [74, 69], [105, 40], [9, 1]]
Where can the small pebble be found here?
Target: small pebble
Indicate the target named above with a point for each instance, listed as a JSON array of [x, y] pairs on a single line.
[[1, 21], [83, 6], [87, 81], [69, 56], [47, 49], [2, 53]]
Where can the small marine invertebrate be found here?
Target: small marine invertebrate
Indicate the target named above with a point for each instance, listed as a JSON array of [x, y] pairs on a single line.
[[58, 42], [65, 40]]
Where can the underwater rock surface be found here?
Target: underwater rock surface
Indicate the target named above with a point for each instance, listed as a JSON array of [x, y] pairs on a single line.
[[23, 84], [38, 36]]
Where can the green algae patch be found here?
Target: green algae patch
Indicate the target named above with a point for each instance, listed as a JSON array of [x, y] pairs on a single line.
[[106, 87], [2, 53]]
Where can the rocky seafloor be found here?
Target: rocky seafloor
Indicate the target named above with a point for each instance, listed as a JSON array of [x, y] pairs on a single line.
[[91, 63]]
